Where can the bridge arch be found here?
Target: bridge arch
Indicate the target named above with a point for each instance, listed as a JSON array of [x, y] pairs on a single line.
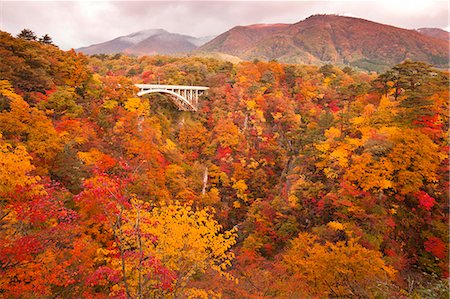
[[181, 102], [185, 97]]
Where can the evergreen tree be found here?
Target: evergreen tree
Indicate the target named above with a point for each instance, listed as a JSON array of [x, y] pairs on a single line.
[[46, 39], [27, 34]]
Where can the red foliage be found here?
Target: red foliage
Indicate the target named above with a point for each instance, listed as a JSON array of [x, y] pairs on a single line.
[[333, 106], [248, 257], [436, 247], [223, 152], [432, 122], [102, 276], [165, 276], [25, 248], [390, 222], [426, 202], [102, 196], [398, 258], [148, 77], [320, 205], [107, 162]]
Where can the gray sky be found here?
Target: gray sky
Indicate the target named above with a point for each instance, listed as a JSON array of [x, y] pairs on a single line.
[[73, 24]]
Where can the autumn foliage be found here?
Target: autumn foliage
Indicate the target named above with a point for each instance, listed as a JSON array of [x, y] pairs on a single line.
[[291, 181]]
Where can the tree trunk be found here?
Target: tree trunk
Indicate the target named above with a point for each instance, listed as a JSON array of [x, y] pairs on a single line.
[[205, 180]]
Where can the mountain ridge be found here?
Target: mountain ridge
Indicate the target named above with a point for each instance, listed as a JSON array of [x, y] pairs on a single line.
[[331, 39], [145, 42], [318, 39], [435, 32]]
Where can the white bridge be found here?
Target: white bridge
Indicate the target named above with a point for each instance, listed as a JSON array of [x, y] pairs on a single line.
[[185, 97]]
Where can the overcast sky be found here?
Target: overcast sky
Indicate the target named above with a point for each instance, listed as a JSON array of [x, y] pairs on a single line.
[[73, 24]]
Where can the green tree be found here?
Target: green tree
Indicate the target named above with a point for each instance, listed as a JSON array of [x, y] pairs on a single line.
[[63, 102], [412, 84]]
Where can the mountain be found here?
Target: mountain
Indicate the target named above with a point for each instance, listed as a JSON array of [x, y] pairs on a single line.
[[318, 39], [119, 44], [331, 39], [436, 33], [166, 43], [152, 41], [237, 40]]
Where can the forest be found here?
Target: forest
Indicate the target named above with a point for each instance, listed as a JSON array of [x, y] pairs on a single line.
[[291, 181]]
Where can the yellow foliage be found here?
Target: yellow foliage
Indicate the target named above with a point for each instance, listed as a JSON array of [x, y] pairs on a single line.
[[277, 116], [340, 155], [118, 127], [327, 81], [213, 197], [102, 256], [337, 269], [253, 164], [227, 133], [386, 103], [330, 173], [309, 91], [31, 126], [15, 168], [332, 133], [335, 153], [251, 105], [260, 115], [406, 161], [369, 173], [194, 293], [241, 188], [354, 142], [357, 121], [91, 157], [7, 90], [293, 200], [183, 239], [385, 112], [195, 237], [170, 145], [138, 105], [336, 225], [415, 160], [252, 242], [110, 104], [323, 147]]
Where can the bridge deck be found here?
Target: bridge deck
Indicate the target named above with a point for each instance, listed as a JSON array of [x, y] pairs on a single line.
[[171, 87]]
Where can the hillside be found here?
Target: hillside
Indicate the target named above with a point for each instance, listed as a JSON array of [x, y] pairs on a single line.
[[331, 39], [150, 42]]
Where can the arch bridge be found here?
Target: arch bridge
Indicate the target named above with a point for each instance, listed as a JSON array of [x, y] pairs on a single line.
[[184, 97]]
